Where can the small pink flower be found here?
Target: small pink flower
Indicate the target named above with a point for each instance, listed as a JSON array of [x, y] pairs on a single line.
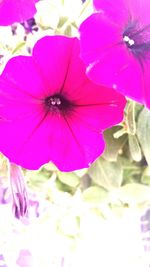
[[145, 229], [16, 11], [51, 111], [18, 189], [25, 259], [115, 45]]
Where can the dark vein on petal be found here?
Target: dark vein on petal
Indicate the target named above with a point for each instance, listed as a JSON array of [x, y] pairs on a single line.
[[22, 116], [86, 124], [66, 74], [18, 89], [140, 30], [35, 129], [98, 104], [73, 134], [43, 77]]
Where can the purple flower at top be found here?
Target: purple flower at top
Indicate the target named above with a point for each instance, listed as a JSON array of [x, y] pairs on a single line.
[[16, 11], [115, 45], [30, 25], [51, 111]]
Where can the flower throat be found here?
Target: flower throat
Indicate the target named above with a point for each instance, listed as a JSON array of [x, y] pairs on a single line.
[[57, 102], [137, 39]]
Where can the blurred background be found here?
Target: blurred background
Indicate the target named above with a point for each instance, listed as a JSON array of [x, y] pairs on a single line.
[[92, 217]]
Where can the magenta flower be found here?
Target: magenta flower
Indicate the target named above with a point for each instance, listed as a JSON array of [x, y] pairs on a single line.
[[51, 111], [115, 45], [16, 11]]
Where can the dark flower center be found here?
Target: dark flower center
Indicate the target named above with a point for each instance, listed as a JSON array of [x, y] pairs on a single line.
[[57, 102], [137, 39]]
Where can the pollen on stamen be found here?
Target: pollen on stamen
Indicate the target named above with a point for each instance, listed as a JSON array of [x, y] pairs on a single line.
[[56, 103], [136, 37], [128, 40]]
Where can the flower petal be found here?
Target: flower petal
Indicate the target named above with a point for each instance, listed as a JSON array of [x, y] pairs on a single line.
[[59, 142], [19, 192], [116, 10], [146, 83], [21, 108], [120, 70], [25, 259], [79, 145], [92, 100], [52, 55], [16, 11], [22, 76], [97, 35], [139, 10], [18, 139]]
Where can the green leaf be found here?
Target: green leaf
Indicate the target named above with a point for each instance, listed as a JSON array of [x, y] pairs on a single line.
[[134, 193], [68, 30], [130, 118], [143, 132], [69, 178], [134, 147], [106, 174], [62, 21], [131, 171], [36, 178], [94, 194], [113, 145], [50, 167], [120, 133], [146, 176], [18, 47]]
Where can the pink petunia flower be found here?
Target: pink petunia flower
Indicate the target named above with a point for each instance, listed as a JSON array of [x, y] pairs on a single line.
[[115, 45], [51, 111], [16, 11]]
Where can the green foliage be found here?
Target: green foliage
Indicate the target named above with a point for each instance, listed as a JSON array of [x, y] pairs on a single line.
[[130, 118], [69, 179], [134, 148], [134, 193], [146, 176], [95, 195], [18, 48], [113, 145], [107, 174], [143, 132]]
